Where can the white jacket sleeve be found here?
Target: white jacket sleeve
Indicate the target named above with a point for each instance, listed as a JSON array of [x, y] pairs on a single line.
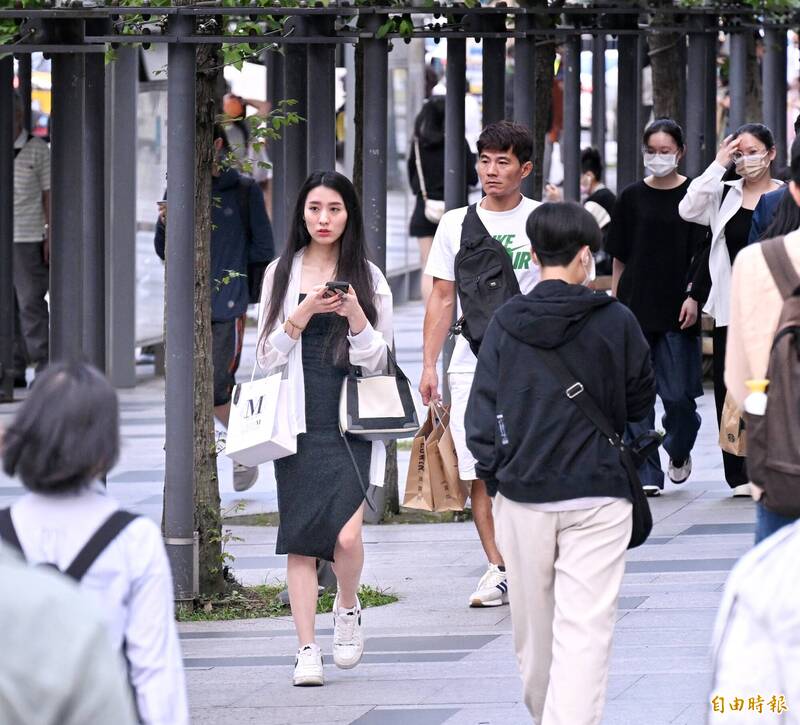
[[151, 638], [273, 349], [368, 349], [703, 196]]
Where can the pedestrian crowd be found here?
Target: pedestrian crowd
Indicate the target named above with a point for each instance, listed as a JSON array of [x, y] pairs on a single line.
[[552, 389]]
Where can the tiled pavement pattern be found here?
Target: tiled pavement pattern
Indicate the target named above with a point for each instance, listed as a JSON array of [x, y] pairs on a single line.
[[430, 659]]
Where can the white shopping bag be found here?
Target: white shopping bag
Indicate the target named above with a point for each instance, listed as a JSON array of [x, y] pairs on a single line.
[[261, 426]]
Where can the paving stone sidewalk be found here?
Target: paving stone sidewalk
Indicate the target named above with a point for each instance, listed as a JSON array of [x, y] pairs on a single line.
[[429, 658]]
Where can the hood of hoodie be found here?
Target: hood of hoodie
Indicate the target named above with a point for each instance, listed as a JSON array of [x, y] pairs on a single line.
[[550, 314], [227, 179]]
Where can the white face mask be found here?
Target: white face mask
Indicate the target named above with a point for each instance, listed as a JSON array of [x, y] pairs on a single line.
[[591, 271], [660, 164], [753, 166]]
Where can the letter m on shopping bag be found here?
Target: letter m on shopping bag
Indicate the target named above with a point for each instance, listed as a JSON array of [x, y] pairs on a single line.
[[252, 418]]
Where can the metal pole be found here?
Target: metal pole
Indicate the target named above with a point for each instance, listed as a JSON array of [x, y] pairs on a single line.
[[571, 146], [455, 183], [66, 215], [695, 99], [24, 72], [494, 73], [350, 110], [178, 488], [94, 189], [628, 101], [774, 70], [376, 99], [121, 252], [321, 109], [276, 95], [6, 230], [295, 151], [599, 94], [524, 81], [710, 85], [738, 80]]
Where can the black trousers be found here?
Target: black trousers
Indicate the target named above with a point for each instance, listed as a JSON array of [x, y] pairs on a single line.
[[735, 466]]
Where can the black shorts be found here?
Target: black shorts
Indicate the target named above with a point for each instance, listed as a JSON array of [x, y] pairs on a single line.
[[420, 225], [226, 351]]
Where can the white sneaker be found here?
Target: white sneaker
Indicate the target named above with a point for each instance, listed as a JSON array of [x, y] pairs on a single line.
[[742, 490], [651, 490], [348, 640], [492, 589], [308, 667], [244, 476], [678, 474]]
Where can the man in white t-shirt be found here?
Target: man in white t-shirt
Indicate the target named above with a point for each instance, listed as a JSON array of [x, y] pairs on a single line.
[[504, 153]]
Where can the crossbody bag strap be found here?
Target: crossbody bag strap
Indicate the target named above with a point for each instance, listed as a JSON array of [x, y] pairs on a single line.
[[420, 175], [575, 391]]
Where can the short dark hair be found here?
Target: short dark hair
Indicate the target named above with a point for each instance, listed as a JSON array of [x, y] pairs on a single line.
[[591, 162], [505, 135], [219, 132], [558, 230], [66, 433], [665, 125]]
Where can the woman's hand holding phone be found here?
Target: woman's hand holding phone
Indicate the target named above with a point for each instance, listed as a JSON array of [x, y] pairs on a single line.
[[351, 309]]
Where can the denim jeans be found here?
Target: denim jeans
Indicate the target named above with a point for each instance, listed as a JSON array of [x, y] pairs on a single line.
[[768, 522], [677, 362]]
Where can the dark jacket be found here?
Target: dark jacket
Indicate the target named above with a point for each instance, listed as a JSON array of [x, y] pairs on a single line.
[[230, 247], [554, 452], [765, 212]]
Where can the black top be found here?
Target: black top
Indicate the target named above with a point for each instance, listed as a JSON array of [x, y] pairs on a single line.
[[433, 169], [546, 449], [657, 247], [737, 231]]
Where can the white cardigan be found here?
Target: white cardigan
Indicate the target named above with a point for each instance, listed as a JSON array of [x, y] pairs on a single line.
[[368, 349], [701, 205]]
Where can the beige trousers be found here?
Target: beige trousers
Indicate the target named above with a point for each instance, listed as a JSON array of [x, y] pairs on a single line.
[[564, 575]]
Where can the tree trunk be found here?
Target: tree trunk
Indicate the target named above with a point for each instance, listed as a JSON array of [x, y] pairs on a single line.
[[544, 60], [667, 62], [753, 110], [208, 521]]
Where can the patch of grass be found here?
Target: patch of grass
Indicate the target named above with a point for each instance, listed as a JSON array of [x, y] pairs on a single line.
[[266, 519], [240, 602], [405, 444], [406, 516]]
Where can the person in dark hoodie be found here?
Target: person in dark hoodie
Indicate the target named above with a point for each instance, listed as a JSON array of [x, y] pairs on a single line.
[[241, 240], [561, 494]]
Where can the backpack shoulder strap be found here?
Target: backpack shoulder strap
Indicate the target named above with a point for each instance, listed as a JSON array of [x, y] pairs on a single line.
[[7, 531], [472, 227], [243, 197], [780, 266], [101, 538]]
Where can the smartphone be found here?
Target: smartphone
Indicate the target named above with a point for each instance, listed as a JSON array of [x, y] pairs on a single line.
[[335, 287]]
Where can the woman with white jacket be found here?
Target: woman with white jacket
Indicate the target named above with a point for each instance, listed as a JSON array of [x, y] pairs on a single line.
[[317, 331], [727, 208]]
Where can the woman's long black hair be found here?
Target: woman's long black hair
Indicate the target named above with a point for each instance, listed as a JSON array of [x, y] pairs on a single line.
[[352, 267], [429, 124]]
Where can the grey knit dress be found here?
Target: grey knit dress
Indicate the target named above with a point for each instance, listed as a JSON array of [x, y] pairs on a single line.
[[318, 490]]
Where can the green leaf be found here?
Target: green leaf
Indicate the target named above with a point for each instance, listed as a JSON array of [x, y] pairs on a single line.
[[385, 29]]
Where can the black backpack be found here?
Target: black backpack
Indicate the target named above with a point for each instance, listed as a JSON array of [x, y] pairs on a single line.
[[485, 279], [97, 543]]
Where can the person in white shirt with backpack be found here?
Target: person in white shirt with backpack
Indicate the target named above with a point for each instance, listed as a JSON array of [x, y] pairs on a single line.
[[504, 160], [62, 442]]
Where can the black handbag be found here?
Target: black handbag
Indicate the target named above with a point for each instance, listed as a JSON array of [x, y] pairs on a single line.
[[631, 455]]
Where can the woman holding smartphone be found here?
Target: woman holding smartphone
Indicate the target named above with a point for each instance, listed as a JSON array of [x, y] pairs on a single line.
[[318, 330]]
